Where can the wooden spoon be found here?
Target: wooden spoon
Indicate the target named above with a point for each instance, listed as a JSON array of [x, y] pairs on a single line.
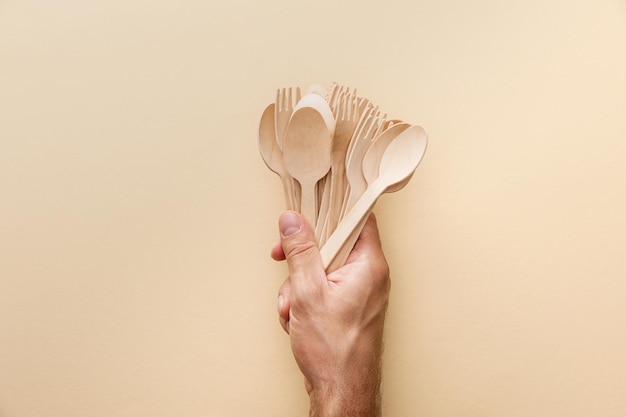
[[371, 167], [375, 152], [307, 148], [272, 155], [398, 163]]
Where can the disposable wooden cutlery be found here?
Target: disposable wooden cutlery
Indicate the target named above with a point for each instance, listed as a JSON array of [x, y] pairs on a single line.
[[307, 149], [398, 162], [273, 156], [336, 154]]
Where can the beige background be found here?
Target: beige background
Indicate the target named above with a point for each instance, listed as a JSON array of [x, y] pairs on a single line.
[[136, 216]]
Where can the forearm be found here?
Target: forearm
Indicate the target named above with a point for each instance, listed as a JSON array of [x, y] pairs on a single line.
[[355, 392]]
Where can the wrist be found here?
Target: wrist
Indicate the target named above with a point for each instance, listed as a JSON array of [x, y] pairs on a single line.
[[355, 389], [360, 399]]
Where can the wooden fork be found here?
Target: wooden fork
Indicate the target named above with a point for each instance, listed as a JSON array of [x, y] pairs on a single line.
[[346, 114], [369, 126]]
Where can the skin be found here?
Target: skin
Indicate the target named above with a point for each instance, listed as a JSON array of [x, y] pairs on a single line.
[[335, 322]]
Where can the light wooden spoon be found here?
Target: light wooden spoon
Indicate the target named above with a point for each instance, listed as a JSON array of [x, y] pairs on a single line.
[[374, 154], [307, 148], [272, 155], [371, 162], [398, 163]]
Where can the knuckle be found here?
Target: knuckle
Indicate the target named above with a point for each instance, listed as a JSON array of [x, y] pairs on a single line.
[[381, 273], [299, 249]]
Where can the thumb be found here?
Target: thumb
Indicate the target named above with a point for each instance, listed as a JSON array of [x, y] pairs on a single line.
[[300, 248]]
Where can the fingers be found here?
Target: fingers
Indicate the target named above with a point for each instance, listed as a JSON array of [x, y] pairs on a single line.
[[300, 250], [284, 304], [368, 243], [298, 246], [368, 248], [277, 253], [369, 233]]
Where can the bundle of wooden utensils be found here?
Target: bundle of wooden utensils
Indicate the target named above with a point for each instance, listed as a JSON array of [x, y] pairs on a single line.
[[336, 153]]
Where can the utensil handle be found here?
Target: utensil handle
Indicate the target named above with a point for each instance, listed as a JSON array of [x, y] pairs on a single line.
[[349, 223], [337, 191], [308, 203], [323, 212], [346, 248], [288, 188]]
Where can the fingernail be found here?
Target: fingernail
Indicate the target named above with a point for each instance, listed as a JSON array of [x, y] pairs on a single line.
[[289, 224], [281, 301]]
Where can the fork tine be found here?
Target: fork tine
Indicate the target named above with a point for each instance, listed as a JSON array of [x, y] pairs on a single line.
[[370, 111], [362, 125], [360, 134], [337, 110], [290, 98], [345, 108], [381, 125], [331, 91], [332, 96], [285, 99], [365, 106], [373, 127], [353, 108], [342, 91], [367, 126], [344, 105], [376, 111], [345, 90]]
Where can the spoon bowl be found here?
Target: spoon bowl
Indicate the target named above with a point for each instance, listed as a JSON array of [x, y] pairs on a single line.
[[272, 155], [307, 148], [374, 154]]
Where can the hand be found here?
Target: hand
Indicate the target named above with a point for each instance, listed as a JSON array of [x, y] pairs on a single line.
[[335, 321]]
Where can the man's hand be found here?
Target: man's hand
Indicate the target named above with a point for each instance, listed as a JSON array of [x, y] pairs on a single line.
[[335, 321]]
